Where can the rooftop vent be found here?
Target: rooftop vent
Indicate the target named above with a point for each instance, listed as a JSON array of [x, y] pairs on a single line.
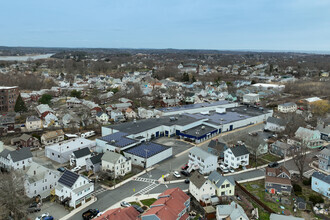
[[203, 127]]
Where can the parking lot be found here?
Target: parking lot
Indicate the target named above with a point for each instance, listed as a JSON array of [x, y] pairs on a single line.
[[54, 209], [177, 145]]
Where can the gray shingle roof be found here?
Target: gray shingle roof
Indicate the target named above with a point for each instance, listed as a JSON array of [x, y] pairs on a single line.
[[239, 150], [232, 211], [217, 179], [276, 121], [322, 177], [82, 152], [201, 153], [97, 158], [32, 118], [197, 179], [21, 154], [111, 157]]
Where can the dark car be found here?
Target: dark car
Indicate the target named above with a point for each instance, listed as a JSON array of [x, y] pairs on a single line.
[[138, 208], [33, 204], [185, 173], [186, 181], [61, 169], [273, 164], [322, 148], [184, 167], [48, 218], [89, 214], [33, 209]]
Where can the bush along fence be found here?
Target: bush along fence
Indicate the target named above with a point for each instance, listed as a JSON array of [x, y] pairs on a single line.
[[264, 206]]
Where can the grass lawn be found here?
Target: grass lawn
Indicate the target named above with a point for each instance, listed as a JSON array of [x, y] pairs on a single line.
[[135, 203], [271, 157], [148, 202]]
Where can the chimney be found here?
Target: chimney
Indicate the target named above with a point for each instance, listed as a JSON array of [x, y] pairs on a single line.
[[235, 205]]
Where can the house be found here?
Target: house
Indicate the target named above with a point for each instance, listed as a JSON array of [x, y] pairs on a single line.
[[102, 117], [233, 211], [323, 126], [40, 180], [28, 141], [79, 157], [17, 159], [283, 217], [321, 183], [74, 189], [300, 203], [217, 148], [223, 185], [251, 98], [52, 137], [278, 180], [312, 138], [201, 188], [256, 143], [33, 123], [61, 152], [117, 115], [287, 107], [144, 113], [125, 100], [43, 110], [324, 160], [73, 102], [236, 156], [202, 160], [116, 164], [171, 204], [50, 120], [148, 154], [129, 113], [275, 124], [121, 106], [128, 213], [282, 149], [7, 123], [94, 163]]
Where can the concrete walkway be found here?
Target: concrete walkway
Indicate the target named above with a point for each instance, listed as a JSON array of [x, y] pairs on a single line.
[[73, 212]]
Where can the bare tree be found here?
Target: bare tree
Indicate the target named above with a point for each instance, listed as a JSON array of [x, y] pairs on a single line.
[[12, 196], [294, 121], [300, 159]]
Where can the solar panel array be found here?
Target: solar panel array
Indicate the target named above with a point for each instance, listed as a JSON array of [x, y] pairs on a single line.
[[220, 118], [68, 178], [118, 139], [146, 149], [191, 106]]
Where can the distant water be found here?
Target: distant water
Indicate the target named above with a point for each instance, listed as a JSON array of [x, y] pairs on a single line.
[[27, 57]]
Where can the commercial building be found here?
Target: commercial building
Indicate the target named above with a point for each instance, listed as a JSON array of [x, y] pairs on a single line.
[[8, 97], [61, 152]]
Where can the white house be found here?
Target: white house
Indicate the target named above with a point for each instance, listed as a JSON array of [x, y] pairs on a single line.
[[251, 98], [287, 107], [275, 124], [102, 117], [129, 113], [117, 115], [202, 160], [61, 152], [40, 180], [74, 189], [116, 163], [79, 157], [236, 156], [144, 113], [17, 159], [233, 211], [33, 123], [201, 188]]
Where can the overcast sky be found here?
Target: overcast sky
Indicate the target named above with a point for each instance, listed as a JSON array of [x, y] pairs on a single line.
[[183, 24]]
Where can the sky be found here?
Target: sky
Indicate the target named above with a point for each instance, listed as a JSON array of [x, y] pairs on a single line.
[[284, 25]]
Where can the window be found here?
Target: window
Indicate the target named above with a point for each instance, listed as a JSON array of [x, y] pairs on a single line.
[[227, 186]]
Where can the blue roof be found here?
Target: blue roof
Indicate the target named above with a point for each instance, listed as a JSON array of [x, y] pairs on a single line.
[[192, 106], [146, 149], [118, 139]]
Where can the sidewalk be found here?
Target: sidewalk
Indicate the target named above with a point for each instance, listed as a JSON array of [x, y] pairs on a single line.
[[73, 212], [318, 169]]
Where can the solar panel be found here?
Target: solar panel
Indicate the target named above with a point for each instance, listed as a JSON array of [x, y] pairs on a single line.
[[146, 150], [118, 139], [68, 178]]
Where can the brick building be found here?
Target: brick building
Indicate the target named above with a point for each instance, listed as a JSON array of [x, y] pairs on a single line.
[[8, 97]]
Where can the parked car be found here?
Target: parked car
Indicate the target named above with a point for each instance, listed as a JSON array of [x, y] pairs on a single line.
[[184, 167], [48, 218], [61, 169], [231, 170], [33, 209], [185, 173], [125, 204], [33, 204], [138, 208], [89, 214], [43, 216], [76, 169], [273, 164], [176, 174], [187, 181]]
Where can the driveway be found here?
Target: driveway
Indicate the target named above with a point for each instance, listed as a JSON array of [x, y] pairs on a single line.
[[177, 145], [54, 209]]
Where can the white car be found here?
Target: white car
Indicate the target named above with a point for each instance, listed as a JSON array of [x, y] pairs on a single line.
[[76, 169], [125, 204], [231, 170], [176, 174]]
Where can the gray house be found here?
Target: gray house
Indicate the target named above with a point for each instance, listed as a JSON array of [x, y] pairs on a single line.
[[217, 148], [275, 124], [282, 149], [94, 163]]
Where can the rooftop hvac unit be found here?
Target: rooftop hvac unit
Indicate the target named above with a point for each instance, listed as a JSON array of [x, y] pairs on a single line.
[[220, 110], [205, 113], [203, 127], [221, 119]]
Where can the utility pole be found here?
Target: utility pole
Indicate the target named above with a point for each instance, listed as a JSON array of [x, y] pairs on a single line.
[[145, 162]]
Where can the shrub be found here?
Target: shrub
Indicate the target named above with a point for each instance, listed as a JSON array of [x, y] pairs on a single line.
[[316, 199], [307, 182], [297, 188]]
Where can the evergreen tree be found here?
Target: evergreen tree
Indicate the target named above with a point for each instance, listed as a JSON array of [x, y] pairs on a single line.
[[20, 105], [45, 99]]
